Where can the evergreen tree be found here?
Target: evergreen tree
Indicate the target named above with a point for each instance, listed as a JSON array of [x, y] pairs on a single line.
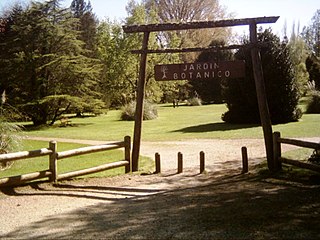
[[48, 72], [210, 89], [87, 25], [281, 87]]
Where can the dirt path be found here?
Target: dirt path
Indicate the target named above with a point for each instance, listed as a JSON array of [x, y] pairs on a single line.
[[220, 204]]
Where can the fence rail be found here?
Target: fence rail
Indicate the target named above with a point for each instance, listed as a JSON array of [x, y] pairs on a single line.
[[277, 140], [54, 156]]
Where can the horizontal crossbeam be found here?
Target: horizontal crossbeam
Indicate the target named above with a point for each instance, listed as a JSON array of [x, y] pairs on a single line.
[[198, 25], [199, 49]]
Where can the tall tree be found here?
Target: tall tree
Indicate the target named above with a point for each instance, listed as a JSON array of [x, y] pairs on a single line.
[[186, 11], [87, 25], [298, 53], [311, 34], [49, 73], [281, 87]]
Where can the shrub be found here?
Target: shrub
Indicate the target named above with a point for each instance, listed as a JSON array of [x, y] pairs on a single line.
[[195, 101], [149, 112], [313, 105]]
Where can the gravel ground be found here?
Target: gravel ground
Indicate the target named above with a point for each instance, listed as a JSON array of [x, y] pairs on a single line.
[[221, 204]]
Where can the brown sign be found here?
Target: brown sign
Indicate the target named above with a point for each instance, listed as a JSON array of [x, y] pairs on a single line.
[[200, 71]]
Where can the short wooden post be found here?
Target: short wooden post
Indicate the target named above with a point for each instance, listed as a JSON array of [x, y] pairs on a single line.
[[277, 150], [244, 153], [158, 164], [202, 162], [180, 162], [53, 160], [127, 152]]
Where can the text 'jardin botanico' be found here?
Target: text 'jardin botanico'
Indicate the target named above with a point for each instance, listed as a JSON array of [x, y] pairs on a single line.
[[200, 71]]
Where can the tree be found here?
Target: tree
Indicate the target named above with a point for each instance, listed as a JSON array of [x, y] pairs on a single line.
[[87, 25], [313, 67], [45, 63], [281, 87], [210, 90], [186, 11], [298, 54], [311, 34]]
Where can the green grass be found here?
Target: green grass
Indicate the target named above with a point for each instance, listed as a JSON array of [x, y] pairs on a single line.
[[70, 164], [184, 122]]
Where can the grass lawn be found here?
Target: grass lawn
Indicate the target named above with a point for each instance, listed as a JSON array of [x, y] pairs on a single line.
[[174, 124]]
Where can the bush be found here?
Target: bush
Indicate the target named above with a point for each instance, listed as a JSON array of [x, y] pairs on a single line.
[[149, 112], [313, 105], [280, 82], [195, 101]]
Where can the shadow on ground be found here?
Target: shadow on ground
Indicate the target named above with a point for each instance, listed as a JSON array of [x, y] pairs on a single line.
[[211, 127], [252, 206]]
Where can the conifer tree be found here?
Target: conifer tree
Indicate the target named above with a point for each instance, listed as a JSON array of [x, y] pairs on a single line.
[[49, 73]]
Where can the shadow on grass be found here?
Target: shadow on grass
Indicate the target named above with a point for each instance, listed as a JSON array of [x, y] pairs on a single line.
[[211, 127], [31, 127], [228, 207]]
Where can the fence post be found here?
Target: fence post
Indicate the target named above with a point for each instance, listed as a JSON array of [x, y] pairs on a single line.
[[244, 153], [127, 152], [158, 163], [202, 162], [277, 150], [180, 162], [53, 160]]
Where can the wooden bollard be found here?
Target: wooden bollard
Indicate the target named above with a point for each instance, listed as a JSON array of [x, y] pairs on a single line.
[[202, 162], [244, 152], [180, 162], [158, 164]]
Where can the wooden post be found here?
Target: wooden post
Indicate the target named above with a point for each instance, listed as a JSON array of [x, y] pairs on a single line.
[[139, 106], [158, 163], [244, 153], [202, 162], [127, 152], [262, 97], [53, 160], [180, 162], [277, 149]]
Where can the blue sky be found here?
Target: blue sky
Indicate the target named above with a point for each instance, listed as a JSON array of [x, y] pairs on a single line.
[[290, 11]]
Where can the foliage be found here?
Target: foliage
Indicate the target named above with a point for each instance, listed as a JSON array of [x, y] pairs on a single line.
[[150, 111], [311, 34], [315, 157], [313, 105], [298, 54], [210, 90], [281, 87], [186, 11], [87, 25], [43, 59], [10, 133], [313, 67], [194, 101]]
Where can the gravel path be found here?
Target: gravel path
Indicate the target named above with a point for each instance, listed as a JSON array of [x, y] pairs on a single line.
[[100, 208]]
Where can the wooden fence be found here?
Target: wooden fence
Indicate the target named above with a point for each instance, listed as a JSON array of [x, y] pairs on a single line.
[[277, 141], [54, 156]]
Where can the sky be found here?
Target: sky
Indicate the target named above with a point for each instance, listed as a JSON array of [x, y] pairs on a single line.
[[290, 11]]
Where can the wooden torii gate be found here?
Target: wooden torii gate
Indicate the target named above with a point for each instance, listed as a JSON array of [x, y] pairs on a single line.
[[257, 70]]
